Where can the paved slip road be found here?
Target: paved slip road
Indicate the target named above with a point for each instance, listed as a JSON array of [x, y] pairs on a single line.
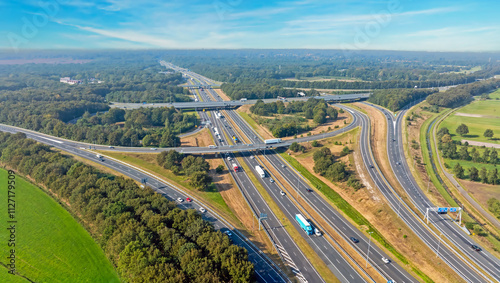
[[345, 228], [279, 236], [265, 270], [447, 227]]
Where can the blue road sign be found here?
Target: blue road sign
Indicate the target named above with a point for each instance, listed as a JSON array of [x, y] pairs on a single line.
[[453, 209], [442, 209]]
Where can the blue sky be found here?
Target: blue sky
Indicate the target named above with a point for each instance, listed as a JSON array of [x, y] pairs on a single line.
[[179, 24]]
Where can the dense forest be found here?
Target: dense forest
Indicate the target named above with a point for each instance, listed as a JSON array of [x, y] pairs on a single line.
[[32, 97], [395, 99], [145, 236], [462, 94]]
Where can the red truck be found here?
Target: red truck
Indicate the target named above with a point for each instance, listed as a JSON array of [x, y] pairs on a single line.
[[235, 167]]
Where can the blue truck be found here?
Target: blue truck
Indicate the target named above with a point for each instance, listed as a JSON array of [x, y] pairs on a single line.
[[304, 224]]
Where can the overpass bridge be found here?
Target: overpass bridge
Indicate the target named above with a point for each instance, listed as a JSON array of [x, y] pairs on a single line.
[[214, 105]]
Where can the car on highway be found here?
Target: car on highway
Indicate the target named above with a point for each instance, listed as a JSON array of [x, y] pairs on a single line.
[[252, 157], [476, 248], [354, 240], [309, 190], [180, 200], [111, 147], [202, 210], [189, 200], [229, 158], [282, 165], [271, 180], [371, 166], [282, 193], [397, 162], [228, 233], [386, 260], [154, 148]]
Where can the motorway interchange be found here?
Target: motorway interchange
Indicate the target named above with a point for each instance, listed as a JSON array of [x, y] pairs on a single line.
[[252, 151]]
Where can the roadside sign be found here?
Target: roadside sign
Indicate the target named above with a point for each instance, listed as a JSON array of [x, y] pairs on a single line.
[[453, 209], [442, 210]]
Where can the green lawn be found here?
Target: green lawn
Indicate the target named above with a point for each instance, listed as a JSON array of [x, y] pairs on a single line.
[[477, 125], [468, 164], [51, 246], [495, 95]]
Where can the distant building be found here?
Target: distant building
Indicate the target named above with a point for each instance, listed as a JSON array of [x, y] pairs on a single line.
[[68, 80]]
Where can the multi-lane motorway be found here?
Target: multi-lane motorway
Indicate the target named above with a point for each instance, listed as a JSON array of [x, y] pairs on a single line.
[[285, 245], [333, 218], [445, 224]]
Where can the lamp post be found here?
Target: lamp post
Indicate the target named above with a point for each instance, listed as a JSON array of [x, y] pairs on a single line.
[[368, 252], [437, 254]]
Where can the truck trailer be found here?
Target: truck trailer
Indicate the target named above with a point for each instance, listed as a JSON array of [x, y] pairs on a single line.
[[260, 171], [271, 141], [304, 224]]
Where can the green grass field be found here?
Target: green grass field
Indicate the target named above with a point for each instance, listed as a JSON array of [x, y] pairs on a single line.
[[477, 125], [51, 246], [495, 95]]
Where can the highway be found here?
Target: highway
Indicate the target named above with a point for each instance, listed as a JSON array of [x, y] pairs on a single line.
[[265, 269], [285, 245], [328, 213], [444, 223], [213, 105]]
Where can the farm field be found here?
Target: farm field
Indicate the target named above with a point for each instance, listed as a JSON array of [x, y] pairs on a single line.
[[51, 246], [478, 116]]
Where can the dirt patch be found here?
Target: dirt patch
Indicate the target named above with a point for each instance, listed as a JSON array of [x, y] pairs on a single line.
[[222, 94], [201, 139], [475, 115], [373, 206], [486, 144]]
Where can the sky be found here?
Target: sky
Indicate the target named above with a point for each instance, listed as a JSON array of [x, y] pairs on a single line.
[[423, 25]]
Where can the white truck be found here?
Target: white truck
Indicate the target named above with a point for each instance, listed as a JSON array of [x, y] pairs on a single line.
[[260, 171], [271, 141], [243, 99], [235, 167]]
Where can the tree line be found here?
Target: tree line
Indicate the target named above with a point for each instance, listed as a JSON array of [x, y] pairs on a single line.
[[395, 99], [462, 94], [145, 236]]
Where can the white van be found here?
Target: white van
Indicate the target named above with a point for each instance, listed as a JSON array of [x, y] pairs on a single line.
[[317, 232]]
